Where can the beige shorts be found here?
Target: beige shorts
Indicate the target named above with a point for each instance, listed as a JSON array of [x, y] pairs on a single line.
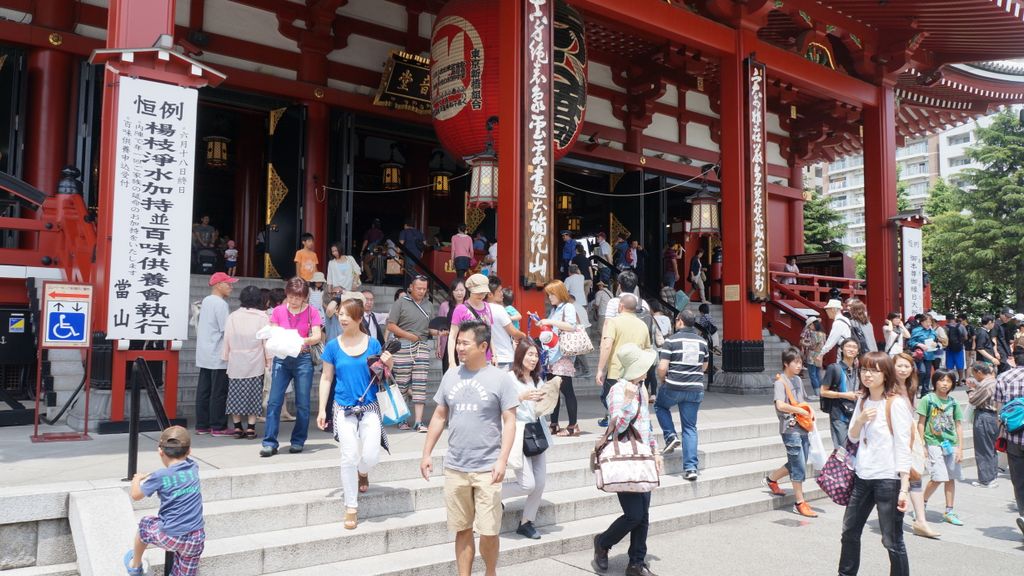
[[473, 501]]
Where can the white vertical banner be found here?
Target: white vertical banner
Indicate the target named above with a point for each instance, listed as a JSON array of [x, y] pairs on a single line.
[[913, 272], [152, 226]]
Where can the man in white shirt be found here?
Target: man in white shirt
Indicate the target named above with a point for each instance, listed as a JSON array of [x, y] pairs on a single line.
[[604, 250], [212, 387], [504, 336]]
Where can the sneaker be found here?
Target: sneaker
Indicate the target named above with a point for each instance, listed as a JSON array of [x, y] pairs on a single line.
[[690, 475], [639, 570], [600, 561], [140, 571], [404, 426], [773, 486], [1020, 525], [202, 431], [603, 422], [529, 530], [992, 484], [293, 449], [671, 443], [804, 509], [267, 451], [421, 427], [952, 518], [221, 432]]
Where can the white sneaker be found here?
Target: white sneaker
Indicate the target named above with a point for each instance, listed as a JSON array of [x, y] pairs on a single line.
[[992, 484]]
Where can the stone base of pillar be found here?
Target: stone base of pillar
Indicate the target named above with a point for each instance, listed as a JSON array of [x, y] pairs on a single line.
[[761, 383], [743, 355]]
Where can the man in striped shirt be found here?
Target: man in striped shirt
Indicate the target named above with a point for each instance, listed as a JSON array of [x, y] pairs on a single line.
[[1009, 386], [683, 361]]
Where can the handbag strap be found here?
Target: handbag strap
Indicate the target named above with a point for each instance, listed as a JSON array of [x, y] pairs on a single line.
[[789, 394]]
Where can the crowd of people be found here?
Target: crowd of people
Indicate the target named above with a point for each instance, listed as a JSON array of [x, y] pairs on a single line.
[[503, 387]]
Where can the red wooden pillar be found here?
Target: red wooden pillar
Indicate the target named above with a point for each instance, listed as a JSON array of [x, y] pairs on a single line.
[[314, 206], [880, 206], [796, 210], [49, 109]]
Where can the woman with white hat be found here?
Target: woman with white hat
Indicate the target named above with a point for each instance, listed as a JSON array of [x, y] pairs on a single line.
[[627, 406]]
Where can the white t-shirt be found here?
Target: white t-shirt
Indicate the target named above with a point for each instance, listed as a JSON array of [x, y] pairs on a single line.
[[879, 456], [604, 249], [503, 349], [342, 273], [492, 252]]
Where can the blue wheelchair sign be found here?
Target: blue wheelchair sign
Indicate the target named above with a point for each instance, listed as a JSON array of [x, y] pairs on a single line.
[[66, 326]]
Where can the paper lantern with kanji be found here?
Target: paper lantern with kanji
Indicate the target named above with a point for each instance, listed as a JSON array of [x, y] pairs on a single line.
[[464, 76]]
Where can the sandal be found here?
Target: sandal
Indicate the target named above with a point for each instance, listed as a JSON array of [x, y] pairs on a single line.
[[351, 518], [364, 483], [555, 430], [128, 556], [250, 433], [572, 430]]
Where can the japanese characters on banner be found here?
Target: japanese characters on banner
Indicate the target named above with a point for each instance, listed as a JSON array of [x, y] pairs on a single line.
[[151, 246], [538, 156], [913, 272], [757, 183]]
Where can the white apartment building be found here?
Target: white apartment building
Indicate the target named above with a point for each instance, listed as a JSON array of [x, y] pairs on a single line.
[[843, 184]]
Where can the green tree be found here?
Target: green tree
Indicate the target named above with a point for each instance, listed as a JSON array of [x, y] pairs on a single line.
[[823, 226], [901, 191], [972, 248], [862, 265]]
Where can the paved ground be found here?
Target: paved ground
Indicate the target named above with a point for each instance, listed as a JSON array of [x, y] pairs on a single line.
[[988, 543]]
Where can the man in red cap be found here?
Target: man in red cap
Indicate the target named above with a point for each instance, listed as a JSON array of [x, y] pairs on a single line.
[[212, 388]]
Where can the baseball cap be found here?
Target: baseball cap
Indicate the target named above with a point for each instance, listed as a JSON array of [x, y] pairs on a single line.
[[219, 277], [478, 284]]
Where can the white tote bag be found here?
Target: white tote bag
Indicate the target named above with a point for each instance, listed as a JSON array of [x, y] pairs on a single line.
[[393, 409], [817, 454]]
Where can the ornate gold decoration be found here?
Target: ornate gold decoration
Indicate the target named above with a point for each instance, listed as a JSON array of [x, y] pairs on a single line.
[[819, 54], [268, 268], [3, 58], [474, 216], [275, 117], [276, 191], [615, 228], [318, 93], [55, 39]]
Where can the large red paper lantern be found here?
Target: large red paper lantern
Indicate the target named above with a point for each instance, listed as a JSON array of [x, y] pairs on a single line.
[[464, 76]]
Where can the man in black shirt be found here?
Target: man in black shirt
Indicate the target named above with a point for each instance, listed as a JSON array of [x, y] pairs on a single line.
[[984, 345], [1003, 335]]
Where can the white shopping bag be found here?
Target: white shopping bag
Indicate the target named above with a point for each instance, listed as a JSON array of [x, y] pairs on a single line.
[[817, 453], [393, 409]]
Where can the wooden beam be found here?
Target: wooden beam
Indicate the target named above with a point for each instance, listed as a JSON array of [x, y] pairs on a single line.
[[810, 77], [664, 21]]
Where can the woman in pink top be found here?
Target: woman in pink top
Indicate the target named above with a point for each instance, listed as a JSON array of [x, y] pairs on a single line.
[[462, 252], [295, 314], [247, 361], [474, 308]]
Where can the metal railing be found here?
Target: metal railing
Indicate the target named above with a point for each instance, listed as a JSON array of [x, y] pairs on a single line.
[[644, 292], [434, 282]]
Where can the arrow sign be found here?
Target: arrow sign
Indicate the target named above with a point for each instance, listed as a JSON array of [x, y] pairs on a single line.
[[77, 307], [66, 295], [58, 305]]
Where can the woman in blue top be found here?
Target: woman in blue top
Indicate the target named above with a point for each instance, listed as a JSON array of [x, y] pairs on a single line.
[[357, 424], [923, 338]]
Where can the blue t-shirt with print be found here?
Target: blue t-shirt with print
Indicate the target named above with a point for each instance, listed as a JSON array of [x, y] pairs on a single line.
[[351, 374], [181, 501]]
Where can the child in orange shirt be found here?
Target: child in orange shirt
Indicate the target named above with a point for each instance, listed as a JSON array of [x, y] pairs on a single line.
[[305, 259]]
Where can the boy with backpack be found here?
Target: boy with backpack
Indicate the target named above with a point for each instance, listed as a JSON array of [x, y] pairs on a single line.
[[178, 526]]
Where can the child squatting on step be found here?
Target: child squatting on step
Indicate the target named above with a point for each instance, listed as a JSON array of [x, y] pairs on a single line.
[[178, 526]]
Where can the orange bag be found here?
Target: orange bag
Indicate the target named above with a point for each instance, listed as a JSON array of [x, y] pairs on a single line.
[[805, 421]]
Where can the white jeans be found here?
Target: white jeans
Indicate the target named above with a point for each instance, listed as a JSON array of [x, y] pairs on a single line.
[[359, 442], [529, 482]]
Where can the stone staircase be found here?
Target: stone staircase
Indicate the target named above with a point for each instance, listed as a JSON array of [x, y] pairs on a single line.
[[285, 519]]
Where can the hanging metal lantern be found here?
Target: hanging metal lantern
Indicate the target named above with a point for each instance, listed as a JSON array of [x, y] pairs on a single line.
[[439, 185], [483, 180], [563, 202], [574, 224], [216, 151], [391, 173], [704, 218]]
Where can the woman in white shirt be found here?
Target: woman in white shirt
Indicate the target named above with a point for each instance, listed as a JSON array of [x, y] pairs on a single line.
[[882, 470], [342, 271], [530, 479], [895, 334]]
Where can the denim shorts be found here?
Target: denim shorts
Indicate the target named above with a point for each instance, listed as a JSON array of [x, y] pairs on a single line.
[[798, 446]]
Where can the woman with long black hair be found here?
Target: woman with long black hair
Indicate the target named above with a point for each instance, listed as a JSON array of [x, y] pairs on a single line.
[[456, 295]]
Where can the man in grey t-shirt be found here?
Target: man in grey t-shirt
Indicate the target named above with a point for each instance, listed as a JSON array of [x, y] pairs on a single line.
[[212, 386], [478, 401], [409, 321]]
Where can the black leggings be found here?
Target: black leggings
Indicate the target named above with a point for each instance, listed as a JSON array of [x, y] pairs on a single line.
[[570, 401]]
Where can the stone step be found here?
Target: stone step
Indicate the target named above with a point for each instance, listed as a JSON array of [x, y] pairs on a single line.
[[323, 539], [69, 569]]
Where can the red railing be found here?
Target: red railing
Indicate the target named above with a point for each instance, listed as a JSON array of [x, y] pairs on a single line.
[[64, 238], [785, 314]]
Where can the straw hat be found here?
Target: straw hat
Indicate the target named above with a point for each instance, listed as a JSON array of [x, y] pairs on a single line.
[[635, 360], [546, 405], [478, 284], [811, 320], [833, 303], [318, 277]]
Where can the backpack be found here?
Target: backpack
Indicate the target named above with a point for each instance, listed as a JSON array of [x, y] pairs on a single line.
[[857, 333], [1012, 415], [644, 314], [955, 338]]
